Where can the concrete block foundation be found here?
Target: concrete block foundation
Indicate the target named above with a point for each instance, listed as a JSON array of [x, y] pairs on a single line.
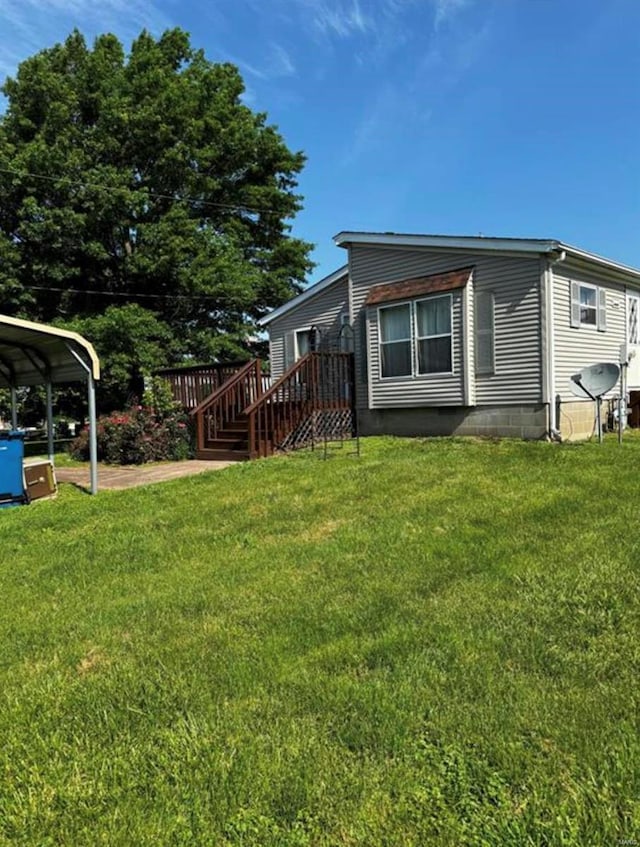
[[528, 422]]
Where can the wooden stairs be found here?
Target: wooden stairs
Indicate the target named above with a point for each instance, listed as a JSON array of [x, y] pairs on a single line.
[[246, 418], [230, 444]]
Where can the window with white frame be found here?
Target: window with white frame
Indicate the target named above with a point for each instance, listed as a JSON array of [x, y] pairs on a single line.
[[433, 335], [416, 337], [588, 306], [395, 340], [297, 343], [304, 342]]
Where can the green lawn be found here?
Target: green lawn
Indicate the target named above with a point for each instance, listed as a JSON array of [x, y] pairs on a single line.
[[434, 643]]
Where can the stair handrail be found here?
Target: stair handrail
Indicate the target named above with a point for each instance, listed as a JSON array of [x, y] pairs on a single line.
[[226, 386], [266, 425], [227, 402], [286, 376]]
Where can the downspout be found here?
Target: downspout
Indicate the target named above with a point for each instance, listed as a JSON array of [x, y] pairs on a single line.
[[555, 258]]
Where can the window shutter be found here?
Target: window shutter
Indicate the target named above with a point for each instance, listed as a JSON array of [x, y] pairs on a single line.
[[362, 346], [289, 350], [484, 321], [575, 304], [602, 310]]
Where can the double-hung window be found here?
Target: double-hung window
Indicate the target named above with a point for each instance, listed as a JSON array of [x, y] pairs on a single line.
[[395, 340], [588, 306], [433, 335], [416, 337]]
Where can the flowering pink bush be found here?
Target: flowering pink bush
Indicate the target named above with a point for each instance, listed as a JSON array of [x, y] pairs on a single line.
[[139, 434]]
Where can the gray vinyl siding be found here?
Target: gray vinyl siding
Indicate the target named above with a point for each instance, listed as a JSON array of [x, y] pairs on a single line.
[[322, 311], [515, 282], [577, 347], [517, 376]]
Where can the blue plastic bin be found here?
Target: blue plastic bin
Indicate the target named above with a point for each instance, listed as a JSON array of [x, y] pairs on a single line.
[[12, 491]]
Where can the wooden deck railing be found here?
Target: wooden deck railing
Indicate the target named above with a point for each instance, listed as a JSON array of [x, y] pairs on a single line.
[[227, 404], [191, 385], [317, 381]]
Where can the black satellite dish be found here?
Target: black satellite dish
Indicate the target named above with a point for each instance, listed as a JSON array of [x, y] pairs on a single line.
[[594, 381]]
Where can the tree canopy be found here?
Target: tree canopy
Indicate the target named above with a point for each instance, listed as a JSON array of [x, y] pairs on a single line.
[[144, 179]]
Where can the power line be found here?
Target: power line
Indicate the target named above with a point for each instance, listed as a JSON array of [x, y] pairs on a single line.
[[130, 296], [153, 194]]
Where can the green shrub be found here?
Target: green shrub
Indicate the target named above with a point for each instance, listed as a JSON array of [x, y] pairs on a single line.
[[156, 431]]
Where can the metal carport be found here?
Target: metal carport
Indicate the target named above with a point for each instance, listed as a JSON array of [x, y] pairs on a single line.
[[38, 354]]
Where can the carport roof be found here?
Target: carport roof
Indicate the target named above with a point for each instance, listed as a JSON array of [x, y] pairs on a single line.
[[34, 354]]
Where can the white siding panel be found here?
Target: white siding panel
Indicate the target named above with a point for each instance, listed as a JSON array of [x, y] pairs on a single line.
[[515, 282], [324, 311], [577, 347]]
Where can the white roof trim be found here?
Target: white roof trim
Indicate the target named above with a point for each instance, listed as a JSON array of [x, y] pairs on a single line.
[[600, 260], [307, 294], [519, 245], [465, 242]]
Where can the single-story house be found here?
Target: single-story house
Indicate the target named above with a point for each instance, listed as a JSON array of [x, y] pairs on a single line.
[[467, 335]]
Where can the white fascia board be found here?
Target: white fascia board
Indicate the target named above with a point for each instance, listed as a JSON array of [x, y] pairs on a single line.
[[307, 294], [601, 261], [455, 242]]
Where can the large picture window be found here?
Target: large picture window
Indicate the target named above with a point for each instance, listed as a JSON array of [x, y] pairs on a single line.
[[416, 338]]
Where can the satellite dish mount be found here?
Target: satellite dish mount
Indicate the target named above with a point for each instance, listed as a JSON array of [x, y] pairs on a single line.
[[592, 383]]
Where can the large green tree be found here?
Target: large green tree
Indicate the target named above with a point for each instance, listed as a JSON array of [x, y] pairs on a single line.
[[144, 179]]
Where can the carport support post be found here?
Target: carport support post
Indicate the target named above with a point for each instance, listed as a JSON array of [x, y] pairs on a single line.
[[49, 420], [93, 434], [14, 408]]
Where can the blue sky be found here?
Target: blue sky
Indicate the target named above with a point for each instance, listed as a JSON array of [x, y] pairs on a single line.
[[500, 117]]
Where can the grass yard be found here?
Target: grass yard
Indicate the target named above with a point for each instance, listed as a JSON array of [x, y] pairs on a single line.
[[434, 644]]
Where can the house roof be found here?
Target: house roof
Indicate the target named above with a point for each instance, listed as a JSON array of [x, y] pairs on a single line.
[[33, 353], [537, 246], [407, 288], [307, 294], [482, 243]]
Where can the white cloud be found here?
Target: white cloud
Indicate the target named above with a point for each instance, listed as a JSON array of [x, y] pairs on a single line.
[[342, 19], [32, 25], [282, 63], [446, 10]]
